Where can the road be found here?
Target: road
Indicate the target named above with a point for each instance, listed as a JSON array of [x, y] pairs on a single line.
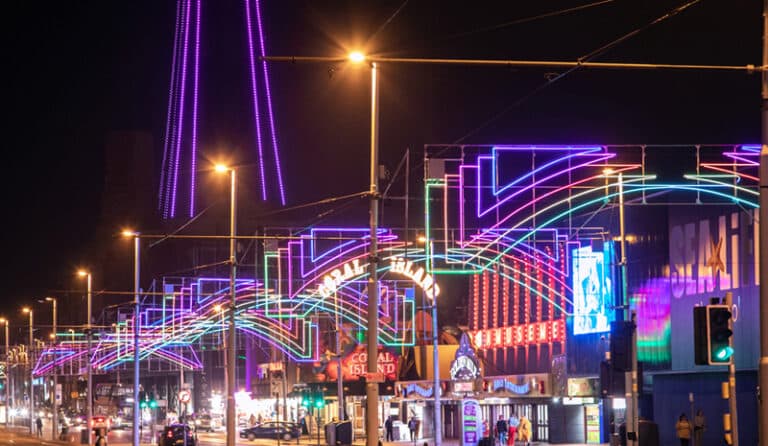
[[20, 435]]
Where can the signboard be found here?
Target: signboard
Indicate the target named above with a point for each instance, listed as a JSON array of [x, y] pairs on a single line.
[[465, 366], [583, 387], [354, 366], [184, 396], [58, 393], [533, 384], [592, 413], [374, 377], [470, 422], [348, 271]]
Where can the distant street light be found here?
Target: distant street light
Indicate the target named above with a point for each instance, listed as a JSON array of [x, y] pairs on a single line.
[[232, 345], [31, 368], [7, 372], [136, 329], [89, 337], [55, 403]]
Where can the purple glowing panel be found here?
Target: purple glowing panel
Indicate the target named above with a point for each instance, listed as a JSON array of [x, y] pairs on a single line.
[[254, 91], [269, 104], [196, 78], [177, 155]]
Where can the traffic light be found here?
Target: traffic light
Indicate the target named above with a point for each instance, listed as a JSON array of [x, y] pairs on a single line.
[[306, 398], [318, 399], [621, 345], [718, 324], [712, 335]]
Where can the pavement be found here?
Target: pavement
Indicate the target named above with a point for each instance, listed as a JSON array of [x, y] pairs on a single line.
[[20, 435]]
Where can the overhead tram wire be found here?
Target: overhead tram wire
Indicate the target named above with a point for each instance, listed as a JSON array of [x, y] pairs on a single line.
[[581, 62]]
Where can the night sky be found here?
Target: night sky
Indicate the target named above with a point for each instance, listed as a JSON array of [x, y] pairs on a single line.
[[77, 70]]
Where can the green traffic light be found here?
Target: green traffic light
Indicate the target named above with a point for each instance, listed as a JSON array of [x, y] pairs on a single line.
[[724, 354], [153, 404]]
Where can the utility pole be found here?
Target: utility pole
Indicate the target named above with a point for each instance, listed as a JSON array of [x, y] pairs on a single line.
[[732, 380], [763, 222]]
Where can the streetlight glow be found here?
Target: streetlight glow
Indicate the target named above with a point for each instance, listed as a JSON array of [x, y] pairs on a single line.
[[26, 310], [128, 233], [221, 168], [356, 57], [82, 273]]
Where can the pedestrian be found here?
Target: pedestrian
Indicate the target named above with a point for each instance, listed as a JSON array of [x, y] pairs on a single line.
[[683, 428], [39, 424], [513, 423], [388, 427], [699, 424], [413, 425], [524, 430], [501, 430]]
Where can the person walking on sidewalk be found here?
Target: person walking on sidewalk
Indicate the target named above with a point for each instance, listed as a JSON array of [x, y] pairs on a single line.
[[699, 425], [524, 430], [683, 428], [512, 423], [501, 430], [388, 428], [413, 425], [39, 424]]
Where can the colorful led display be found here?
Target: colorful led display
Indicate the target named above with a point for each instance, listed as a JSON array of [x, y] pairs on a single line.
[[592, 282]]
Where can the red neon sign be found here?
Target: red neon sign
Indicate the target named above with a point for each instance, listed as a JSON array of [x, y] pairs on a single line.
[[519, 335]]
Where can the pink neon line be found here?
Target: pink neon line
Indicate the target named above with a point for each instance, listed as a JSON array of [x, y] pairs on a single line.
[[181, 110], [164, 188], [194, 112], [539, 198], [597, 159], [507, 230], [254, 92], [269, 104], [732, 172]]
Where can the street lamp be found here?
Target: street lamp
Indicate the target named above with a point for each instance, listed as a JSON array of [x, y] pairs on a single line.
[[231, 347], [7, 372], [89, 336], [31, 368], [55, 420], [372, 388], [136, 329]]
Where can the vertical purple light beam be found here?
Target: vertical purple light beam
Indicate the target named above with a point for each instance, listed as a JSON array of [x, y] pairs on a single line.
[[165, 167], [194, 113], [181, 110], [255, 97], [269, 103]]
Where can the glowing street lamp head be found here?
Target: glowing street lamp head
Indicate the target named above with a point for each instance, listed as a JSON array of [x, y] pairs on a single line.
[[356, 57], [607, 171], [26, 310], [217, 308], [221, 168], [128, 233], [3, 320], [421, 239], [50, 299], [82, 273]]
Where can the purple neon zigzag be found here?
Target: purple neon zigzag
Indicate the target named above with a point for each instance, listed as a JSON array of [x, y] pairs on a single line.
[[170, 124], [269, 103], [194, 113], [181, 111], [173, 98], [254, 92]]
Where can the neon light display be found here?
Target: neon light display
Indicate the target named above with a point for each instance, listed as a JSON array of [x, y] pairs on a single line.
[[519, 335], [592, 289], [178, 173]]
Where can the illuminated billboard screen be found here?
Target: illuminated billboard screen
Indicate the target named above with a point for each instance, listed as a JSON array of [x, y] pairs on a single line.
[[592, 289]]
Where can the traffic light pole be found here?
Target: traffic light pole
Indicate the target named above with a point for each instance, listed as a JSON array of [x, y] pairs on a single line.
[[732, 378]]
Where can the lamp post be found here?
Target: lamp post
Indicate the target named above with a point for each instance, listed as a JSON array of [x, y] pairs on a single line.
[[7, 373], [89, 336], [136, 330], [55, 403], [372, 388], [232, 345], [31, 368]]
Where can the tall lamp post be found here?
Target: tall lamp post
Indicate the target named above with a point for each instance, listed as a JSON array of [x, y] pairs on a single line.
[[31, 368], [7, 373], [372, 388], [136, 330], [232, 345], [89, 337], [55, 402]]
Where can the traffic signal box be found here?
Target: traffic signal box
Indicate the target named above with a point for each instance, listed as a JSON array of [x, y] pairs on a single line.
[[312, 398], [712, 335]]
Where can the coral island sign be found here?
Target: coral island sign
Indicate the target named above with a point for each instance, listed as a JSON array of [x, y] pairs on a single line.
[[354, 268]]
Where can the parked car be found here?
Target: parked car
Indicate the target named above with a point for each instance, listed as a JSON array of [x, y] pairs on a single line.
[[204, 423], [175, 435], [272, 429]]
